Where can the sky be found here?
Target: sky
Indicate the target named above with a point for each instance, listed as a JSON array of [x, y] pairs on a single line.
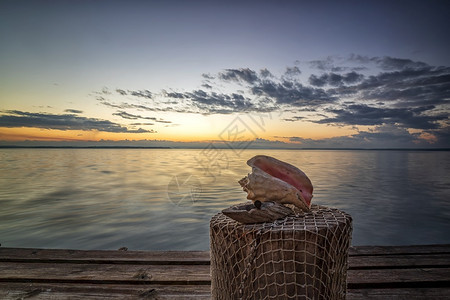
[[284, 74]]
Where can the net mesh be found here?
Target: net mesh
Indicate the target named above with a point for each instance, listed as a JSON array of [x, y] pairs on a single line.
[[302, 256]]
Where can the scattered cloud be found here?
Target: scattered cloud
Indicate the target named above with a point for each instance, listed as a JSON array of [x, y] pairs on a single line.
[[121, 92], [143, 94], [293, 119], [337, 91], [264, 73], [334, 79], [292, 71], [16, 118], [142, 124], [292, 93], [125, 105], [328, 64], [383, 136], [74, 111], [360, 114], [207, 76], [129, 116], [388, 63], [399, 83], [245, 75], [213, 102], [105, 91]]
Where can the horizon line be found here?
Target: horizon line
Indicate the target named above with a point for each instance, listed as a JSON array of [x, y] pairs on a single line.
[[250, 148]]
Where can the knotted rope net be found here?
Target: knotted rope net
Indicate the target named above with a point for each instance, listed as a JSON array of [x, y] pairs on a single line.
[[302, 256]]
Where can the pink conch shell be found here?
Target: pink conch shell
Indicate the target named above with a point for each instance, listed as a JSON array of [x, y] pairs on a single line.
[[274, 180]]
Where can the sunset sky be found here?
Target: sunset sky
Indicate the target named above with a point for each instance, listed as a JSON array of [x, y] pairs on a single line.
[[363, 74]]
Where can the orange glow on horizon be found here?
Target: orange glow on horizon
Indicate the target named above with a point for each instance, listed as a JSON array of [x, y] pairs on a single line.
[[273, 132], [39, 134]]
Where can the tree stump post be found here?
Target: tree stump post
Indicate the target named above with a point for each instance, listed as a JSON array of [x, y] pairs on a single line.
[[297, 257]]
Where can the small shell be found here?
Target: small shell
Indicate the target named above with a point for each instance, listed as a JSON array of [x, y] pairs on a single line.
[[247, 213]]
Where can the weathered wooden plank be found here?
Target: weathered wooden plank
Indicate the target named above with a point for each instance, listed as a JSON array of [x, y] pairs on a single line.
[[106, 273], [101, 291], [405, 293], [406, 278], [399, 250], [381, 272], [197, 257], [399, 261], [195, 274], [181, 257], [104, 256], [105, 291]]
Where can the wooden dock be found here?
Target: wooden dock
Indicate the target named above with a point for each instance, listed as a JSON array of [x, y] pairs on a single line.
[[375, 272]]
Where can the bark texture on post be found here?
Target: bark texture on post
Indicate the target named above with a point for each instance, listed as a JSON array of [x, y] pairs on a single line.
[[298, 257]]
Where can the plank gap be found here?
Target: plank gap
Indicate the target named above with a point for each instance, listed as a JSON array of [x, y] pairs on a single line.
[[100, 282], [401, 285], [109, 262], [392, 267]]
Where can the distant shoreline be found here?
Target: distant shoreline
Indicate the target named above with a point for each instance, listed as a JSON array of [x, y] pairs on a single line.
[[199, 148], [84, 147]]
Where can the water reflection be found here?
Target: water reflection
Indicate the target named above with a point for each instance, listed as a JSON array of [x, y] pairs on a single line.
[[109, 198]]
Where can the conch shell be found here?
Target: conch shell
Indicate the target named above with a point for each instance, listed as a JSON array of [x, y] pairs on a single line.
[[274, 180]]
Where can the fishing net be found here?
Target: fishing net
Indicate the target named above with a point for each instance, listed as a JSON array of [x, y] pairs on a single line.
[[302, 256]]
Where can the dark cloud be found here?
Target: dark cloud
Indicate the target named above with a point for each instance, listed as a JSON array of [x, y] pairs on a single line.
[[324, 65], [109, 104], [360, 114], [174, 95], [334, 79], [411, 87], [121, 92], [159, 107], [125, 105], [265, 73], [143, 94], [398, 79], [15, 118], [293, 119], [106, 91], [385, 136], [292, 93], [352, 91], [212, 102], [389, 63], [292, 71], [130, 116], [142, 124], [411, 94], [207, 76], [328, 64], [74, 111], [352, 77], [140, 130], [245, 75]]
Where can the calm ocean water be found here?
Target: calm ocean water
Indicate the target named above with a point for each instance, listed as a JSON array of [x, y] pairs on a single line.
[[163, 199]]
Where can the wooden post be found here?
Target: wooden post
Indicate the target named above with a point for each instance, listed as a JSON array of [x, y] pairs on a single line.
[[302, 256]]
